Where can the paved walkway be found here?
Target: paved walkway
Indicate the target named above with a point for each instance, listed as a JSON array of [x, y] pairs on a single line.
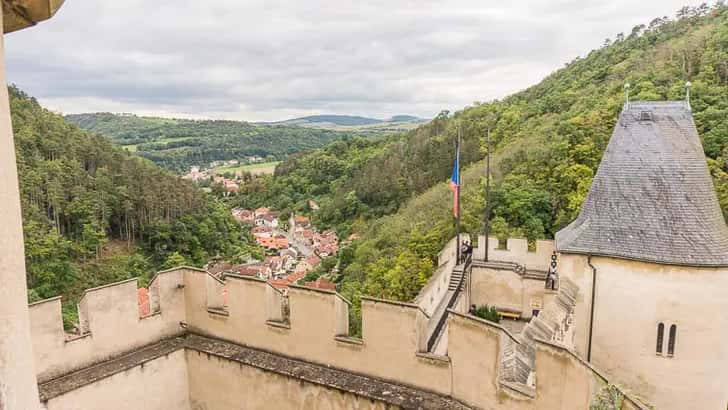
[[302, 248]]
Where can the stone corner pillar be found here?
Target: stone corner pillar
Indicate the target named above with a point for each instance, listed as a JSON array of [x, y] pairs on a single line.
[[18, 382]]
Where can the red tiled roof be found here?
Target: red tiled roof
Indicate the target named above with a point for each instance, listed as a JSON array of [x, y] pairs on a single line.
[[313, 261], [143, 301], [295, 277]]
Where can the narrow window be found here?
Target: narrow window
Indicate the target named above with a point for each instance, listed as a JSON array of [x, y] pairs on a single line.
[[660, 336], [671, 340]]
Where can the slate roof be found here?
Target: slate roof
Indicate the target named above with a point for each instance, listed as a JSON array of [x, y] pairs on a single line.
[[652, 198]]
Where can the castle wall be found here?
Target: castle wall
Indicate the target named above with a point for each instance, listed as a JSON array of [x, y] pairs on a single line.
[[432, 293], [219, 384], [110, 324], [506, 289], [632, 298], [392, 332], [18, 387], [563, 380], [517, 252], [312, 328], [159, 384], [577, 269]]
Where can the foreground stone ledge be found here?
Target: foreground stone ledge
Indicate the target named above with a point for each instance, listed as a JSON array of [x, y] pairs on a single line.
[[89, 375], [364, 386]]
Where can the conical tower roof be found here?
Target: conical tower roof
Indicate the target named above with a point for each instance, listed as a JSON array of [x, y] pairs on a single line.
[[652, 198]]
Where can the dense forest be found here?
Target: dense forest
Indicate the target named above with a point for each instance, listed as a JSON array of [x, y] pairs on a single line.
[[176, 144], [547, 142], [93, 213]]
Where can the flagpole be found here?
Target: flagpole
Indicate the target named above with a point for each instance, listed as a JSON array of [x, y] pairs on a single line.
[[487, 196], [457, 219]]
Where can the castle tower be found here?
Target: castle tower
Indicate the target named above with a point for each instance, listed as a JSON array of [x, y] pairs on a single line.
[[18, 384], [649, 250]]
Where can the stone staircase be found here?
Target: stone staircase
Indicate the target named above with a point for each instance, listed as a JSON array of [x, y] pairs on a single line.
[[554, 323], [455, 278]]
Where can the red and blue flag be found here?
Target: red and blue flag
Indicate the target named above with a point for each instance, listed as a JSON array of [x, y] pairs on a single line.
[[455, 183]]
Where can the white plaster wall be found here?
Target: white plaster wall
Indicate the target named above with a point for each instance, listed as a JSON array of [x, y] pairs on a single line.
[[631, 299], [18, 388], [506, 289], [432, 293], [576, 268], [220, 384], [160, 384], [516, 251], [114, 323], [392, 332]]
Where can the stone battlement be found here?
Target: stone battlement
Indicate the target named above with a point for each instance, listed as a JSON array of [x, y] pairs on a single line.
[[308, 324], [516, 251]]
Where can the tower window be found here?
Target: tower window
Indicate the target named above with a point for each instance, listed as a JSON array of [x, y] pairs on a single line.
[[671, 340], [660, 337]]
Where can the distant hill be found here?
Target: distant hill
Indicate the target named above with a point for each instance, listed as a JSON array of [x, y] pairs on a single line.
[[345, 120], [355, 123], [177, 144], [404, 118]]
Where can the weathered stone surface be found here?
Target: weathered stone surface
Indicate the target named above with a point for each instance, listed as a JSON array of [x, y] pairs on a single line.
[[391, 393]]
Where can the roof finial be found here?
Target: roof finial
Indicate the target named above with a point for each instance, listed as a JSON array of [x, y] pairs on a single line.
[[626, 95], [687, 94]]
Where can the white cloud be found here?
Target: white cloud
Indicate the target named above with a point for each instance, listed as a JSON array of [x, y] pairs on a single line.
[[271, 60]]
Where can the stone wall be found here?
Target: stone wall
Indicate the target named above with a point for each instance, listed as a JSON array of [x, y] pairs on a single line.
[[516, 251], [17, 381], [505, 289], [159, 384], [315, 331], [436, 287], [110, 323], [631, 299], [220, 384]]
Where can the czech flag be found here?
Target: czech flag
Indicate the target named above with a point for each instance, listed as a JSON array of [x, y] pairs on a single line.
[[455, 183]]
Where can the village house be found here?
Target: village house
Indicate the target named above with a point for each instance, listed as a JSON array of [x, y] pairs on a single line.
[[263, 232], [245, 216], [261, 211], [326, 243], [277, 242], [291, 253], [308, 264], [195, 174], [260, 271], [231, 186], [270, 219], [305, 236]]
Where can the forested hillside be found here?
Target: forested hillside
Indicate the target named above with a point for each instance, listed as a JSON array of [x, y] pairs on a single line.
[[176, 143], [94, 213], [547, 143]]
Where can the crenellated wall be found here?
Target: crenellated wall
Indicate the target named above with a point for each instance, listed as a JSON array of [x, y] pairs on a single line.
[[307, 324], [110, 323], [516, 251], [436, 287]]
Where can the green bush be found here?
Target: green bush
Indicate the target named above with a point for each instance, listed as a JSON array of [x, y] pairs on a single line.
[[488, 313]]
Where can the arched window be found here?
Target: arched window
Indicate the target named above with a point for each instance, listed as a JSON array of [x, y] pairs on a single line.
[[660, 337], [671, 340]]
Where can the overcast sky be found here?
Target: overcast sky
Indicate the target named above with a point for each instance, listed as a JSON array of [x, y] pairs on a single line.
[[273, 60]]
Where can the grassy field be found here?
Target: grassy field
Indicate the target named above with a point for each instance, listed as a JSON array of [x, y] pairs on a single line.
[[255, 169]]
